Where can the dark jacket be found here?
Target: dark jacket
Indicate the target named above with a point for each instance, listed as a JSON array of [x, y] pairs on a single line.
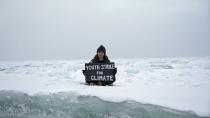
[[96, 59]]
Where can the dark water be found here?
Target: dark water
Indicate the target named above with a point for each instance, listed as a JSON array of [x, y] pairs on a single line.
[[70, 105]]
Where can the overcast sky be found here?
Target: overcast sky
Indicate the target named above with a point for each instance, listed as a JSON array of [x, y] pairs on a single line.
[[73, 29]]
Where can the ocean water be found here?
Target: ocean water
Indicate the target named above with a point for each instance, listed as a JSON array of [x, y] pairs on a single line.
[[15, 104]]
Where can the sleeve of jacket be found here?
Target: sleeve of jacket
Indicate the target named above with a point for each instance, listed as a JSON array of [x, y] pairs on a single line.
[[115, 71]]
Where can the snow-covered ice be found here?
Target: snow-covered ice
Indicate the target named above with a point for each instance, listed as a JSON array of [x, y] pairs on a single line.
[[178, 83]]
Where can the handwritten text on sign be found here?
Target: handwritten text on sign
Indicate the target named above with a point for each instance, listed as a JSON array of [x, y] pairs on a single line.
[[102, 72]]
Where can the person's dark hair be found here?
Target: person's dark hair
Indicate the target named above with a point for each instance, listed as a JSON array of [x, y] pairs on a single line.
[[96, 59]]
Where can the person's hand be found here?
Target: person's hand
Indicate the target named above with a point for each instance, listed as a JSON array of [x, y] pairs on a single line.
[[84, 72]]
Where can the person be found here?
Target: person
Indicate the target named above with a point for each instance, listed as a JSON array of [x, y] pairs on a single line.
[[100, 57]]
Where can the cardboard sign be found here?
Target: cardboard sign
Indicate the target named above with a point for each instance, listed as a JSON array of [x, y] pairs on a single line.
[[100, 72]]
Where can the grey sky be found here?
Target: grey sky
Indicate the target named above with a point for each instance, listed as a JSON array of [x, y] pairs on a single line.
[[73, 29]]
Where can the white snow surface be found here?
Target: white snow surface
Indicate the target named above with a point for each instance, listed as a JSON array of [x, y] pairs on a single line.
[[181, 83]]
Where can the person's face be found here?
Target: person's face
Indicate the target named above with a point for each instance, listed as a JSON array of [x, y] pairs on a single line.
[[100, 54]]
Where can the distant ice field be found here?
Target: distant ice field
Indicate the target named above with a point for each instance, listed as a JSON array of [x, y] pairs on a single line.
[[171, 83]]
